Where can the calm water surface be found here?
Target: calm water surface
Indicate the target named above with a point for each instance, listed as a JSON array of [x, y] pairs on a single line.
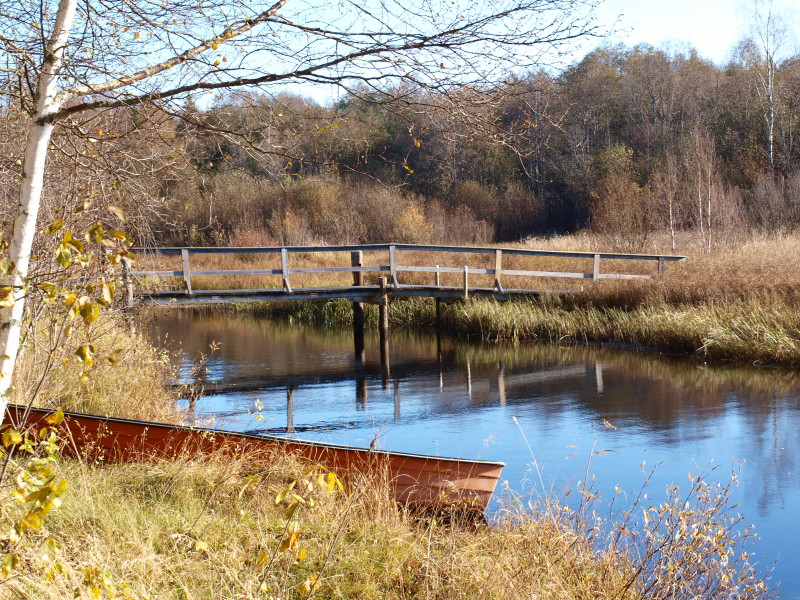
[[565, 407]]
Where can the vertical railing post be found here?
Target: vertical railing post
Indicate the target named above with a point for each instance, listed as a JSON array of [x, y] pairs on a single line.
[[596, 270], [127, 282], [285, 270], [466, 282], [436, 279], [187, 272], [393, 265], [290, 409], [660, 266], [498, 270]]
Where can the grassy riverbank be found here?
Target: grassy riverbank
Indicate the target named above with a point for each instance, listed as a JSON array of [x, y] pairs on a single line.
[[213, 529], [738, 304]]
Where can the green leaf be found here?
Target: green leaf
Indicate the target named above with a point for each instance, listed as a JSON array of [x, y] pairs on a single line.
[[63, 255]]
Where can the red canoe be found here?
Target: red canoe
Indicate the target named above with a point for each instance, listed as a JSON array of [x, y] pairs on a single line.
[[426, 481]]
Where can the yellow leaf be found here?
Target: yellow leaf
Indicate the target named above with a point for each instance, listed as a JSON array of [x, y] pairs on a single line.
[[10, 562], [55, 226], [90, 312], [201, 546], [305, 588], [86, 354], [56, 418], [6, 296], [117, 212], [108, 292], [11, 436]]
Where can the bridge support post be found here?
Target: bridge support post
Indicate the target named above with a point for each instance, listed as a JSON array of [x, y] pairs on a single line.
[[362, 393], [383, 331], [356, 260]]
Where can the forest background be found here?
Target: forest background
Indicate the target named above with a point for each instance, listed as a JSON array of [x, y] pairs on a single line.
[[642, 146]]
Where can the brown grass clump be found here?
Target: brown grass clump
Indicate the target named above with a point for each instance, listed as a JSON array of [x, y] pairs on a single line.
[[126, 377]]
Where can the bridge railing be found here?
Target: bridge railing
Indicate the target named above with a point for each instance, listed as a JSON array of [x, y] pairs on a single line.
[[499, 268]]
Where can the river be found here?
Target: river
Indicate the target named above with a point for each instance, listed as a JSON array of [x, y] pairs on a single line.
[[547, 411]]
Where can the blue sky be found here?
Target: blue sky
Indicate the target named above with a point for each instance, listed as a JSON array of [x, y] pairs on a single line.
[[712, 26]]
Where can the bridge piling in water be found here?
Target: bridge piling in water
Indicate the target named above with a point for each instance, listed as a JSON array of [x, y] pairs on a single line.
[[356, 260], [383, 330]]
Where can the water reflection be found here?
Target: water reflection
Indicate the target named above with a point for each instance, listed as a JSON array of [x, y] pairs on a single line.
[[615, 408]]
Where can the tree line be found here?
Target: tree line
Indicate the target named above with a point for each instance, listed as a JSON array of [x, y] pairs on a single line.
[[627, 142]]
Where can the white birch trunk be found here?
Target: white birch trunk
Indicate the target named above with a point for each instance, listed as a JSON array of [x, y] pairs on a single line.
[[30, 193]]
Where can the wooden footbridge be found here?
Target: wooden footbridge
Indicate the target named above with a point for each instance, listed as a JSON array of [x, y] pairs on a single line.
[[451, 272], [176, 276]]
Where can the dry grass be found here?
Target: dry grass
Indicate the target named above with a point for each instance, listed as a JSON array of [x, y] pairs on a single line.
[[126, 379], [212, 529]]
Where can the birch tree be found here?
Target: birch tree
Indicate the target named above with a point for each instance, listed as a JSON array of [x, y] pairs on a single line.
[[64, 60]]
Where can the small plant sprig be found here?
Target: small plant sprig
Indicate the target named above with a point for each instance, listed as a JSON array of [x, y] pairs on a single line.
[[298, 494]]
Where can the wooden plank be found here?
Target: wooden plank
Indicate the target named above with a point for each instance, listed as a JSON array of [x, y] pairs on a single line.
[[412, 247], [156, 273], [373, 269], [547, 274], [239, 272], [623, 276]]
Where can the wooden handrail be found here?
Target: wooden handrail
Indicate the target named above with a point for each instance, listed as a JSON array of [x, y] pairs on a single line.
[[394, 267]]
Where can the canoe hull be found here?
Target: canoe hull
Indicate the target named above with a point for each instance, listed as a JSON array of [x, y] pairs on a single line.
[[425, 481]]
